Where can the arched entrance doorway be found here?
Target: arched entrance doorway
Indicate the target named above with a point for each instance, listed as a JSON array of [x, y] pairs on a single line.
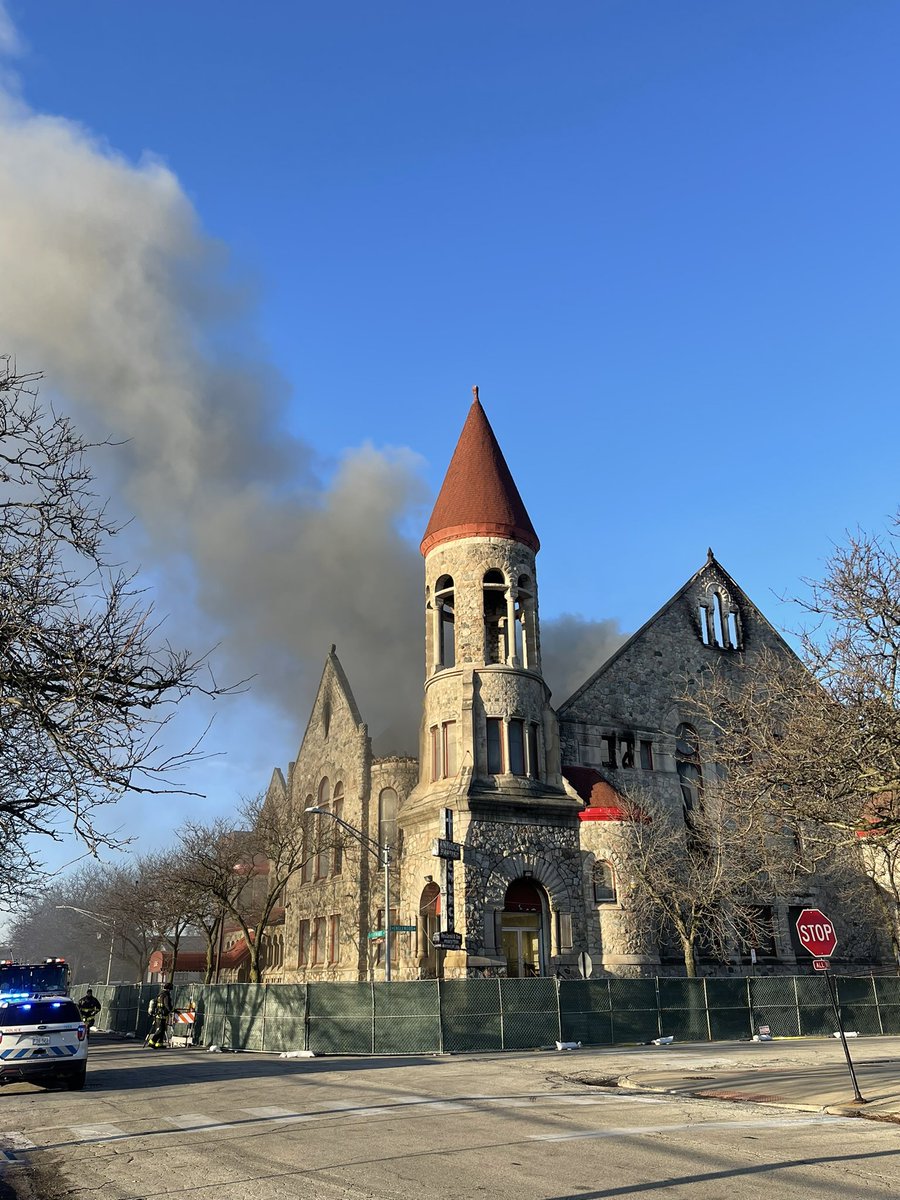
[[431, 960], [523, 925]]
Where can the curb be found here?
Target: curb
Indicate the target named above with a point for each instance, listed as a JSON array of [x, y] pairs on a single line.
[[742, 1097]]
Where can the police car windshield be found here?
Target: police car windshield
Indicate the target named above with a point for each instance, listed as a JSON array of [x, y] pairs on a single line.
[[47, 977], [38, 1012]]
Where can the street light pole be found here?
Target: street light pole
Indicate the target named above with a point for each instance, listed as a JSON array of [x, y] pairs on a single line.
[[383, 854], [100, 921]]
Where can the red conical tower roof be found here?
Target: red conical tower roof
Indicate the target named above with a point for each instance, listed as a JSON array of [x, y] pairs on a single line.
[[478, 497]]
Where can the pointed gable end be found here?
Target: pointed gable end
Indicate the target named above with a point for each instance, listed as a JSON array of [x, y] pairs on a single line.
[[478, 497]]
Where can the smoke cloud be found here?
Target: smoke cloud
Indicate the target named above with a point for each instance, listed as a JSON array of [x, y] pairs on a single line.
[[572, 648], [113, 290]]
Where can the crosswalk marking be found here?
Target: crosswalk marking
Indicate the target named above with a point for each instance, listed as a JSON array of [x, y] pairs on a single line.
[[15, 1141], [197, 1121], [96, 1133], [643, 1130], [271, 1112]]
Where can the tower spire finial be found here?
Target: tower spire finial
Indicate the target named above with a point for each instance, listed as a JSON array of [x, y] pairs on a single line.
[[475, 394]]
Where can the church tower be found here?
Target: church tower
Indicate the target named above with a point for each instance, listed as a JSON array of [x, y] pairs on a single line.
[[489, 745]]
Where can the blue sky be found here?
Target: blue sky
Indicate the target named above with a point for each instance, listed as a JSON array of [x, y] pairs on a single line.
[[662, 238]]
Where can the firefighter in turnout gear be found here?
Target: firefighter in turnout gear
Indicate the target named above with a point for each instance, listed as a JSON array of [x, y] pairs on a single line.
[[89, 1006], [160, 1011]]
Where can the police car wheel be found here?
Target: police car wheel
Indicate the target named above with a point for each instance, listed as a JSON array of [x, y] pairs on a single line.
[[76, 1082]]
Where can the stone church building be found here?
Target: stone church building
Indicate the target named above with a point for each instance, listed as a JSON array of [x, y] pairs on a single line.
[[532, 792]]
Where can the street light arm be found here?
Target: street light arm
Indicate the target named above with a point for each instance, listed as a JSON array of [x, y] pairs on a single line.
[[85, 913], [382, 853]]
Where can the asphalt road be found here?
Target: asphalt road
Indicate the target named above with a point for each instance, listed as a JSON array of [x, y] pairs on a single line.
[[513, 1127]]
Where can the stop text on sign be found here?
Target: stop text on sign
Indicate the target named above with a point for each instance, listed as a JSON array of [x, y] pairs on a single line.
[[816, 933]]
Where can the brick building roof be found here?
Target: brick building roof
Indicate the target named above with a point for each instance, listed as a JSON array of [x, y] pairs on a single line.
[[478, 497], [603, 801]]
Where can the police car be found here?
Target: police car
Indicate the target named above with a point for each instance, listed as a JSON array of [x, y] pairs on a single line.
[[42, 1036]]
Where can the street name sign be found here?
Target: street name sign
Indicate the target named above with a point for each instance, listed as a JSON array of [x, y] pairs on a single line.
[[447, 941]]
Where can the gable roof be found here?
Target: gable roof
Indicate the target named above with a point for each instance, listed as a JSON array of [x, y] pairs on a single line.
[[334, 673], [711, 567], [478, 497]]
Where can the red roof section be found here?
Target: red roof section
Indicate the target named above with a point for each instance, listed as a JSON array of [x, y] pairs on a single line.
[[603, 801], [478, 497]]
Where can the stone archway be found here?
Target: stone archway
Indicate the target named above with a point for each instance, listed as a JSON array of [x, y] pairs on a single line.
[[543, 871], [525, 929]]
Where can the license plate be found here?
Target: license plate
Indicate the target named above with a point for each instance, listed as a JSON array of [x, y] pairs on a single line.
[[40, 1041]]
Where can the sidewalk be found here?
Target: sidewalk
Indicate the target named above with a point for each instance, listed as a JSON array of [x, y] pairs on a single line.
[[810, 1075]]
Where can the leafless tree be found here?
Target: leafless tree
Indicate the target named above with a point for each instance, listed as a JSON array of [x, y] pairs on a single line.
[[697, 880], [812, 745], [244, 870], [87, 685]]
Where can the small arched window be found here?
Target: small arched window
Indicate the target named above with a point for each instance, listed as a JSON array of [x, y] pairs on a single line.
[[690, 772], [604, 883], [444, 602], [496, 649]]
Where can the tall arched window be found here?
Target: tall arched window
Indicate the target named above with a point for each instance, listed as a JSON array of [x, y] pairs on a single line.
[[604, 883], [444, 603], [337, 807], [388, 803], [495, 617], [306, 871], [690, 773], [324, 831]]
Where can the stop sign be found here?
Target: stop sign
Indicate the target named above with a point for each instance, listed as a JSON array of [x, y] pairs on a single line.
[[816, 933]]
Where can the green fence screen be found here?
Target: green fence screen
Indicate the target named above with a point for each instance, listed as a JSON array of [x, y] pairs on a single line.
[[442, 1016]]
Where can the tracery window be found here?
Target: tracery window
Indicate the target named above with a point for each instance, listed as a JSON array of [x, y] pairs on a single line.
[[720, 620]]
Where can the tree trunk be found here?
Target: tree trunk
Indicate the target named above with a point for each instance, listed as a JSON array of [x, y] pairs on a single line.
[[690, 961], [210, 952]]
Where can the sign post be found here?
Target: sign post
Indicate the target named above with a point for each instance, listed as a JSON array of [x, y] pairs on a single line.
[[817, 937], [448, 852]]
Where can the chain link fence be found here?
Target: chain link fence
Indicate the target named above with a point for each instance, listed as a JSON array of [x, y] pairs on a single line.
[[442, 1016]]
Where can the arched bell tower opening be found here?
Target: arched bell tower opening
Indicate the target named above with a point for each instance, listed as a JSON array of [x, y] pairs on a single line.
[[524, 929]]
